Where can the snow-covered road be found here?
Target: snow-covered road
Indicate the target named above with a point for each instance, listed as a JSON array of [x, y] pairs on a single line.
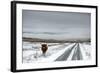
[[56, 52], [66, 54]]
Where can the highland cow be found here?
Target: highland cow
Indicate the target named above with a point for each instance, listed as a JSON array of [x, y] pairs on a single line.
[[44, 48]]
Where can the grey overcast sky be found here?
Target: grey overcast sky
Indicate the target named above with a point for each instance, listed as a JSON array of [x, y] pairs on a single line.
[[56, 25]]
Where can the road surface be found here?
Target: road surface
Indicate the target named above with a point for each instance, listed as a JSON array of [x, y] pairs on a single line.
[[77, 55]]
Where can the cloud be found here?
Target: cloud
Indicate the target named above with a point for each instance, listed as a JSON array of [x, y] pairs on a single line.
[[57, 25]]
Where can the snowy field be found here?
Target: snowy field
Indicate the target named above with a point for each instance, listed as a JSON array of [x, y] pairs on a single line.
[[56, 52]]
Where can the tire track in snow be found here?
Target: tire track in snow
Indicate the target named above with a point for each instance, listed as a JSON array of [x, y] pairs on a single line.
[[77, 53], [65, 55]]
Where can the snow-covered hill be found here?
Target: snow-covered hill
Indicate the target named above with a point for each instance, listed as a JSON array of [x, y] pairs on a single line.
[[56, 52]]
